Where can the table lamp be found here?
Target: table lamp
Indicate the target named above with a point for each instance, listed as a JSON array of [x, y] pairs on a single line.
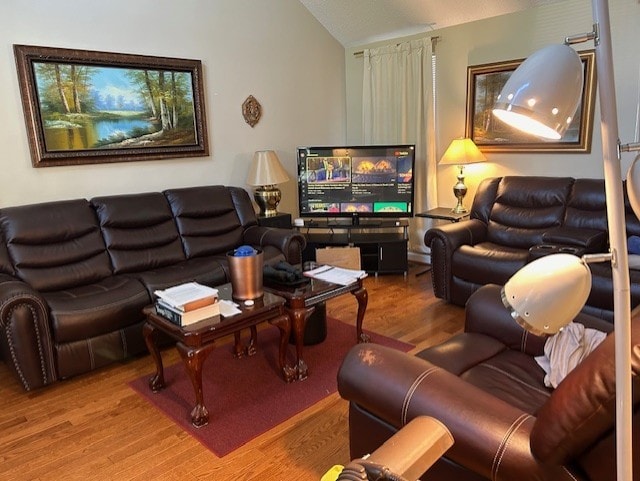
[[461, 152], [541, 97], [266, 171]]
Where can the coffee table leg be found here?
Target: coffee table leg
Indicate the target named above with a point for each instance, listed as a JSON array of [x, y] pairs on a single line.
[[283, 323], [363, 297], [193, 360], [298, 320], [156, 382]]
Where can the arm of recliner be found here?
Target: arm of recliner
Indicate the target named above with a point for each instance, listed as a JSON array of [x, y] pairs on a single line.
[[443, 241], [591, 240], [25, 337], [491, 436], [289, 241]]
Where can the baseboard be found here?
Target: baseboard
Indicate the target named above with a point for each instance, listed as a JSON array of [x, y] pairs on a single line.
[[420, 257]]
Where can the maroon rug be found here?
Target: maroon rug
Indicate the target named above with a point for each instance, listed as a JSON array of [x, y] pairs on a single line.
[[247, 397]]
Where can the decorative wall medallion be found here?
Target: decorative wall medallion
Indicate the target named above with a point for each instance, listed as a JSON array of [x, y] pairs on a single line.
[[251, 110]]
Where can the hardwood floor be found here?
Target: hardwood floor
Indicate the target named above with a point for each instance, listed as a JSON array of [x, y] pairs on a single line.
[[94, 427]]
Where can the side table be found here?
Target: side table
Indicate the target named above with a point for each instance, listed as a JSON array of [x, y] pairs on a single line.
[[281, 220], [441, 213]]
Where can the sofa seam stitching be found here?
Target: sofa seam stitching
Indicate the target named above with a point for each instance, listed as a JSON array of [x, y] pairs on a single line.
[[410, 392]]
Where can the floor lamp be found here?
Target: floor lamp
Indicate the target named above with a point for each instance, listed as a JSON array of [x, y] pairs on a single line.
[[522, 106]]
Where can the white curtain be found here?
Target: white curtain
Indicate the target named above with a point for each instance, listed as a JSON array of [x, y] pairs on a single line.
[[399, 107]]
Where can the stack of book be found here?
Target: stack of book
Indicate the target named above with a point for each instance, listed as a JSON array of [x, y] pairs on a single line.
[[188, 303]]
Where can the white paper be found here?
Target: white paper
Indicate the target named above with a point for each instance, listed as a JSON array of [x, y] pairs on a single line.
[[336, 275], [185, 293], [228, 308]]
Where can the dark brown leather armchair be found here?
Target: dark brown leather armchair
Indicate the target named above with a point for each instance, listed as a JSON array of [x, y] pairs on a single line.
[[516, 219], [486, 388]]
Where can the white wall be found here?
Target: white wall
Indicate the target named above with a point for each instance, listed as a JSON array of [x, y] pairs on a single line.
[[274, 50], [510, 37]]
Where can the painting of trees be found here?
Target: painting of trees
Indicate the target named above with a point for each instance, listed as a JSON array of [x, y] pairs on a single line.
[[89, 107]]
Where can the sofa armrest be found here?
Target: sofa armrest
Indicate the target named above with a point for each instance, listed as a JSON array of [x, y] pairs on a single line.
[[443, 241], [289, 241], [592, 240], [491, 436], [25, 337]]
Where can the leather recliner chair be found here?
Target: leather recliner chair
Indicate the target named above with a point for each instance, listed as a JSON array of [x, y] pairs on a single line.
[[486, 388]]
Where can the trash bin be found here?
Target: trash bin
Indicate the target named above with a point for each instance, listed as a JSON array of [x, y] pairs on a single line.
[[245, 267]]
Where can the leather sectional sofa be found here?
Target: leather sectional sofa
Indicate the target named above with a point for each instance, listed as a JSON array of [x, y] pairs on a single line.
[[516, 219], [75, 274], [485, 386]]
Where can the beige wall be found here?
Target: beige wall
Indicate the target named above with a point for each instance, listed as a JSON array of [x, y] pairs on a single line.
[[510, 37], [274, 50]]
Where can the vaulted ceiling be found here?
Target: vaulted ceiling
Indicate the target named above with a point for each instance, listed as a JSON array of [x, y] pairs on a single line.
[[358, 22]]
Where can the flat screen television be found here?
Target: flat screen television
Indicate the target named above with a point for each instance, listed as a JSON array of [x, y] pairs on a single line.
[[356, 182]]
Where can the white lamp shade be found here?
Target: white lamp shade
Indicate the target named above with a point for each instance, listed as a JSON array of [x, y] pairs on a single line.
[[633, 186], [462, 151], [266, 169], [548, 293], [543, 93]]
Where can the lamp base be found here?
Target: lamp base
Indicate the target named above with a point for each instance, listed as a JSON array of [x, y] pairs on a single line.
[[460, 190], [267, 197]]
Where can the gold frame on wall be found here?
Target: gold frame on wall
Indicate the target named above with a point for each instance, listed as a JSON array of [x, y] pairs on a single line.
[[70, 96], [484, 83]]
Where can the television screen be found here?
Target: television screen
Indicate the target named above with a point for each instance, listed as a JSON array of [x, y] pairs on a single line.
[[367, 181]]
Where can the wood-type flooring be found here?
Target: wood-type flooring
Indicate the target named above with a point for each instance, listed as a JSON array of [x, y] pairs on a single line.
[[95, 427]]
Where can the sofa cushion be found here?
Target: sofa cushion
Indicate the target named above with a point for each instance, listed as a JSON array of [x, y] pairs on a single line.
[[210, 271], [587, 205], [139, 231], [488, 364], [487, 263], [94, 309], [206, 218], [55, 245], [525, 207]]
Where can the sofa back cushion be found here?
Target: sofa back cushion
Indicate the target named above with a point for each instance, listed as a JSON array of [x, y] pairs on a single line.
[[587, 205], [207, 219], [139, 231], [55, 245], [525, 207]]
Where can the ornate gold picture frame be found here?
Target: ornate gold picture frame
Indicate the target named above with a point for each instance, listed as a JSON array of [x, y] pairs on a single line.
[[87, 107], [484, 83]]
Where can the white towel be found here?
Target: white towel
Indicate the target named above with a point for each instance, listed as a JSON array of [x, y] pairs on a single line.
[[566, 349]]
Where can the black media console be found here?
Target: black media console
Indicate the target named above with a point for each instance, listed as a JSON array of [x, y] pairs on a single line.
[[382, 243]]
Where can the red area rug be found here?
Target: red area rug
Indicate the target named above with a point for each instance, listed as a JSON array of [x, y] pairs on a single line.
[[247, 397]]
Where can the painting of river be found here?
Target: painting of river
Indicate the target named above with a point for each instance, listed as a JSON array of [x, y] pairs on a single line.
[[89, 107], [86, 107]]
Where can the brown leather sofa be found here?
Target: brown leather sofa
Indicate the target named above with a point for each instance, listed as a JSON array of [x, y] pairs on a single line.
[[516, 219], [486, 388], [75, 274]]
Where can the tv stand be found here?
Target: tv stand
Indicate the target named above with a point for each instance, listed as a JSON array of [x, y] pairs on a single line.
[[382, 242]]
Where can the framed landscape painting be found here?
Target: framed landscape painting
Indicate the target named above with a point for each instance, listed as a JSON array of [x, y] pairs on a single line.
[[87, 107], [484, 83]]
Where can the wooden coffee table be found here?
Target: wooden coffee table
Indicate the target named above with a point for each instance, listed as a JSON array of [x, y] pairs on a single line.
[[195, 342], [300, 304]]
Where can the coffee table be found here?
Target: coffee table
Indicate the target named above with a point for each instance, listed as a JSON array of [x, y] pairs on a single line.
[[300, 304], [196, 341]]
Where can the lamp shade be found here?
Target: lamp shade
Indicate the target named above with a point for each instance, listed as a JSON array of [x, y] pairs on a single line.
[[548, 293], [266, 169], [543, 93], [462, 151], [633, 186]]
